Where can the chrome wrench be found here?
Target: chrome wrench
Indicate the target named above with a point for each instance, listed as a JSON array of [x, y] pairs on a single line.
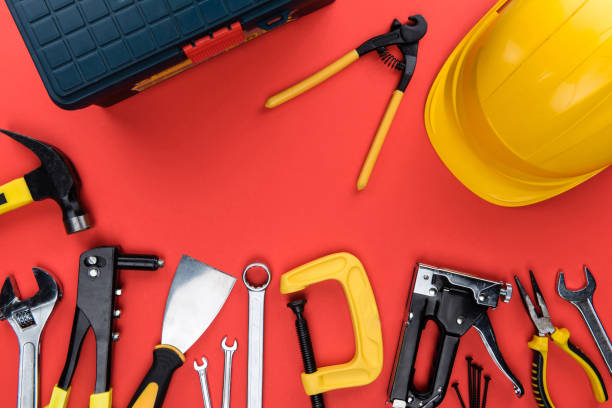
[[583, 300], [28, 318], [201, 370], [257, 297], [227, 371]]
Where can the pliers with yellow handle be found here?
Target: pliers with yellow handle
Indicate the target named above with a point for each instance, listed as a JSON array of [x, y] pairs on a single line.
[[406, 37], [539, 344]]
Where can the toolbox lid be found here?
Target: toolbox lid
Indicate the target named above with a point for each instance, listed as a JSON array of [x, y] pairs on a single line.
[[83, 47]]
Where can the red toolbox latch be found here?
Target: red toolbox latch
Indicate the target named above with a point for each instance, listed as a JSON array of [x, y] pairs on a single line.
[[219, 41]]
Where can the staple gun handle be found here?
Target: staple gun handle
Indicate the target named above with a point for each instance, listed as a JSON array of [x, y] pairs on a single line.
[[366, 366], [484, 328]]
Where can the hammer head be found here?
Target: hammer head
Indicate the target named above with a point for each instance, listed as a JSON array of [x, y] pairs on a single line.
[[56, 179], [577, 295]]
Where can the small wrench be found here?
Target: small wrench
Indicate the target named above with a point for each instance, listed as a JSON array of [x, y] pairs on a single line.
[[257, 297], [28, 319], [227, 371], [583, 300], [201, 369]]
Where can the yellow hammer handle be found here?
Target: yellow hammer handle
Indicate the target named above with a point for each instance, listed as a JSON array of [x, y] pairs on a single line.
[[379, 139], [14, 195], [561, 338], [313, 80]]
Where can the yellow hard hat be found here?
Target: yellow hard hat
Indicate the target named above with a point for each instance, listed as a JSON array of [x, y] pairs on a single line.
[[522, 109]]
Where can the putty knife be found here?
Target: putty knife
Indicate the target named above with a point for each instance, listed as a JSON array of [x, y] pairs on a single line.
[[197, 295]]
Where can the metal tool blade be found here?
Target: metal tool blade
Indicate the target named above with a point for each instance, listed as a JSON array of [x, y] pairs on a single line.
[[197, 295]]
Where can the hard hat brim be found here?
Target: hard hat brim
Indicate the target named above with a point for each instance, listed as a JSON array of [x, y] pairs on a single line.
[[451, 139]]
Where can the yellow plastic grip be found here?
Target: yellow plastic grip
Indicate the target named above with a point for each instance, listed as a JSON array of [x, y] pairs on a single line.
[[59, 398], [14, 195], [561, 338], [540, 385], [102, 400], [367, 363], [379, 139], [313, 80]]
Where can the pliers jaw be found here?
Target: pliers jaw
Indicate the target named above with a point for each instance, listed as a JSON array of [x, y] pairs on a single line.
[[406, 37], [541, 322]]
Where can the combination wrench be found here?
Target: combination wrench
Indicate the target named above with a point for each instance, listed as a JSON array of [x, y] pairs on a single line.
[[28, 319], [201, 370], [257, 297], [227, 371], [583, 300]]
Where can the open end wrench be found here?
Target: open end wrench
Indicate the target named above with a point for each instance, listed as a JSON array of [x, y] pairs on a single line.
[[28, 318], [257, 297], [201, 369], [227, 371], [583, 300]]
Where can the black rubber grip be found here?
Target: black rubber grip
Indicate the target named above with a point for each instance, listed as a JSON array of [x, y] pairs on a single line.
[[165, 362], [579, 352], [540, 390]]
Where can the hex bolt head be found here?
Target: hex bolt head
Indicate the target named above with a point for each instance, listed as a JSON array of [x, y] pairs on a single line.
[[118, 292], [117, 314], [115, 336]]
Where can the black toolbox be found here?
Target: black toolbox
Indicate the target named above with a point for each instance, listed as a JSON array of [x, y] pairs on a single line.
[[103, 51]]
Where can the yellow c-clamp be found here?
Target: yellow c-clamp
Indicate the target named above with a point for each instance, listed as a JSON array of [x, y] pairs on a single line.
[[367, 364]]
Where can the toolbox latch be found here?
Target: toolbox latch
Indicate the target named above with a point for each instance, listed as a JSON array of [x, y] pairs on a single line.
[[220, 41]]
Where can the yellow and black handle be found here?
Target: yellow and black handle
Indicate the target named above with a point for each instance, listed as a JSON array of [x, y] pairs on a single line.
[[540, 347], [60, 396], [152, 391], [14, 194], [313, 80]]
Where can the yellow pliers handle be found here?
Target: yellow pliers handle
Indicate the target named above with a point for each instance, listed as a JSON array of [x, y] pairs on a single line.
[[538, 379]]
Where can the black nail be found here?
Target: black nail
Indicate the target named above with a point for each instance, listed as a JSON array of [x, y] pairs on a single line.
[[479, 383], [469, 368], [456, 387], [486, 389]]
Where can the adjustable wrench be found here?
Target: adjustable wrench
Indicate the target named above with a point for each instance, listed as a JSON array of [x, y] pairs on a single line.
[[28, 319], [201, 369], [227, 371], [257, 296], [583, 300]]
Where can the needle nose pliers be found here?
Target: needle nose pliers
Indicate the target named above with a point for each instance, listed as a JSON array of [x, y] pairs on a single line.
[[539, 344], [406, 37]]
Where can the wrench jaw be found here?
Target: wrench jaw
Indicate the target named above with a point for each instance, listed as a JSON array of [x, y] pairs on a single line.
[[34, 311], [9, 295], [227, 348], [577, 295]]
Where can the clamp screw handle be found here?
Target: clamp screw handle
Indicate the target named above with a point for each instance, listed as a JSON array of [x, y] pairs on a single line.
[[310, 364]]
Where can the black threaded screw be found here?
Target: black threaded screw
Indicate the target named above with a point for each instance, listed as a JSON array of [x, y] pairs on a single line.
[[310, 364]]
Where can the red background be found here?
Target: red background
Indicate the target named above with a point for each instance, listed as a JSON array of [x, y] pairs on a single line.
[[196, 165]]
